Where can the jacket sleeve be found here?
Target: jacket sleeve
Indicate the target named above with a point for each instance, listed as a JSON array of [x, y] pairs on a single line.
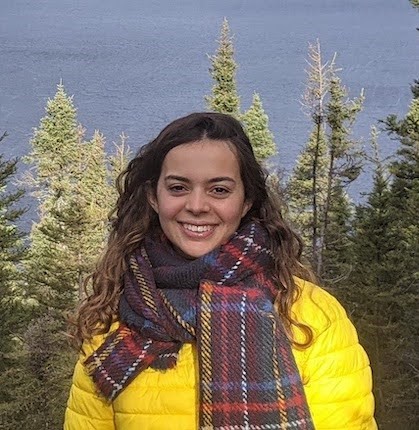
[[336, 373], [85, 408]]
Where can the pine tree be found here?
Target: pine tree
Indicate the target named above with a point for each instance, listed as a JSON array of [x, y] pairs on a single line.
[[404, 205], [336, 256], [345, 160], [405, 192], [319, 205], [56, 154], [224, 97], [52, 269], [55, 149], [382, 293], [74, 187], [11, 254], [305, 203], [72, 183], [256, 124], [372, 228], [96, 195], [415, 88], [307, 183], [38, 385]]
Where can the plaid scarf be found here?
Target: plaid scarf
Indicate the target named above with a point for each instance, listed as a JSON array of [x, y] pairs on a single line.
[[223, 301]]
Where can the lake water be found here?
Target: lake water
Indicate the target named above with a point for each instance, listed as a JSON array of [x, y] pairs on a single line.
[[134, 65]]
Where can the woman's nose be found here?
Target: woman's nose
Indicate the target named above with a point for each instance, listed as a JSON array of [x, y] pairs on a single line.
[[197, 202]]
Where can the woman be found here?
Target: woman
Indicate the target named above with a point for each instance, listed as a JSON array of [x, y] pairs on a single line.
[[199, 316]]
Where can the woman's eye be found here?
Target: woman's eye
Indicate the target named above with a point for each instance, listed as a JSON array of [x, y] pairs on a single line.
[[220, 191], [176, 188]]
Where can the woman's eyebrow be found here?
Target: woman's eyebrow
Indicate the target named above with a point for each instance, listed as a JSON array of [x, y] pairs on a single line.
[[176, 178], [211, 181], [221, 179]]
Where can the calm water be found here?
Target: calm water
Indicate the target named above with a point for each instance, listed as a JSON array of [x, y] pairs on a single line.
[[134, 65]]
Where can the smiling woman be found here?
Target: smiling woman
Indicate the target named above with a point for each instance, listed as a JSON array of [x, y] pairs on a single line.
[[200, 317]]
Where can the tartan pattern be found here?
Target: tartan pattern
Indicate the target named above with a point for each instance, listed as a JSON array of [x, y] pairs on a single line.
[[224, 302]]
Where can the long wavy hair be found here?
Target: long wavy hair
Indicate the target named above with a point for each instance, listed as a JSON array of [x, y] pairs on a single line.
[[133, 218]]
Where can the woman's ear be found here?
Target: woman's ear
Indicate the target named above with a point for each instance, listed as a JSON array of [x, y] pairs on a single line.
[[152, 199], [246, 207]]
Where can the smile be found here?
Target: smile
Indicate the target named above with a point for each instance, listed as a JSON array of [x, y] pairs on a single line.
[[197, 228]]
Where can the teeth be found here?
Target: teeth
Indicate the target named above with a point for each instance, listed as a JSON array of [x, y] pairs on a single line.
[[197, 228]]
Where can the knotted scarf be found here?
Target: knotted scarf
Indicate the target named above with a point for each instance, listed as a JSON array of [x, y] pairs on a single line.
[[223, 301]]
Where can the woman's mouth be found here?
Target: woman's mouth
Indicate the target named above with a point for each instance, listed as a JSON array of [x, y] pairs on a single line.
[[194, 230]]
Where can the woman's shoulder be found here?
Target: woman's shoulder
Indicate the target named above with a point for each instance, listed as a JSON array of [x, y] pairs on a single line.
[[334, 368], [313, 297], [316, 307]]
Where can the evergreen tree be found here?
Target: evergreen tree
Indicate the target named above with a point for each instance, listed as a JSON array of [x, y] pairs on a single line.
[[38, 386], [404, 205], [336, 256], [372, 239], [305, 203], [319, 205], [405, 192], [52, 269], [96, 195], [11, 253], [224, 97], [382, 292], [345, 158], [369, 288], [75, 190], [307, 183], [256, 124], [55, 147], [72, 184], [415, 88]]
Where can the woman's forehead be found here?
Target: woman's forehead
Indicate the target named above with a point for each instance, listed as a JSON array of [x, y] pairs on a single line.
[[203, 159]]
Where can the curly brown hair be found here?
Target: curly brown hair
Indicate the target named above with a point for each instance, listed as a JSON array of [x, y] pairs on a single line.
[[133, 217]]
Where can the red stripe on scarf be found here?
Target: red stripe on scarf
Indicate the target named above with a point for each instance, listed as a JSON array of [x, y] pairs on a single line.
[[251, 407]]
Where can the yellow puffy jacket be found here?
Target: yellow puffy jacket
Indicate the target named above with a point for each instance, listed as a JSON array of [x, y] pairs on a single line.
[[334, 369]]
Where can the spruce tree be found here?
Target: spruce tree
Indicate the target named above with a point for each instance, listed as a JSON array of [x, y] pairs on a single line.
[[372, 238], [56, 155], [72, 183], [307, 184], [306, 190], [96, 195], [224, 97], [11, 254], [403, 259], [319, 205], [256, 124], [405, 192], [345, 160], [382, 290], [51, 270], [74, 186]]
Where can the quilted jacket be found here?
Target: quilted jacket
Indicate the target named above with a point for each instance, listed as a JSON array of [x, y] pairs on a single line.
[[335, 372]]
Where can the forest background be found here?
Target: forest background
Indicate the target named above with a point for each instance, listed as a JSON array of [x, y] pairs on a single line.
[[365, 252]]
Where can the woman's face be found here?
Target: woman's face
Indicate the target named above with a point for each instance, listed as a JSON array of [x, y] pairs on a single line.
[[200, 196]]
